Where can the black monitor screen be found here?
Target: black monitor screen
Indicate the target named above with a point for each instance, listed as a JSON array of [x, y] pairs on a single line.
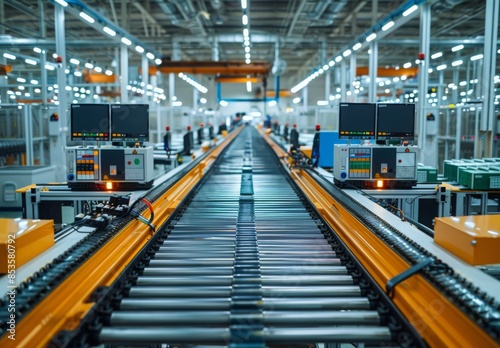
[[130, 122], [357, 121], [90, 122], [395, 121]]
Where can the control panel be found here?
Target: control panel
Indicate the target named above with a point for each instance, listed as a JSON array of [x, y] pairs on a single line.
[[375, 166], [110, 168]]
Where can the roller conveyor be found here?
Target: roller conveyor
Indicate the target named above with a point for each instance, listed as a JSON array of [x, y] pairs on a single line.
[[245, 264]]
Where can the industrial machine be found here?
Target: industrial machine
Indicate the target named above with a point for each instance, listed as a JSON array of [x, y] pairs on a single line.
[[110, 168], [127, 165], [375, 166]]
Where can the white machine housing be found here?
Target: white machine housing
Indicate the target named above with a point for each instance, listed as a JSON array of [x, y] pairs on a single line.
[[110, 168], [375, 166]]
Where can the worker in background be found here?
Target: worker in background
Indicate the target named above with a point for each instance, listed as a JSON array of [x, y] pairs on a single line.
[[315, 148], [167, 139]]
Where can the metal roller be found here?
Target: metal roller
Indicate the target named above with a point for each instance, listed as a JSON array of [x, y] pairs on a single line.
[[225, 291], [366, 334], [325, 303], [217, 318], [246, 264], [229, 270]]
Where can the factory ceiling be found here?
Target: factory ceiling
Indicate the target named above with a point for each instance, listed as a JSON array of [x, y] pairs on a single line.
[[302, 33]]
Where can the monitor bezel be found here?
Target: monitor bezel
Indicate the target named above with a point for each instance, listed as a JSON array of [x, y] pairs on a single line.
[[363, 137], [138, 139], [88, 138], [396, 137]]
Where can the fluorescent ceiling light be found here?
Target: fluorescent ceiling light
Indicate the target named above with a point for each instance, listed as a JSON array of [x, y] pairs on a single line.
[[247, 49], [34, 82], [223, 103], [457, 62], [9, 56], [126, 41], [320, 71], [54, 55], [338, 58], [248, 61], [139, 49], [37, 49], [247, 43], [203, 100], [410, 10], [346, 53], [158, 61], [177, 103], [49, 67], [331, 63], [407, 65], [326, 67], [356, 46], [244, 4], [388, 26], [249, 86], [150, 55], [109, 31], [476, 57], [441, 67], [457, 48], [62, 3], [30, 61], [272, 103], [247, 55], [98, 69], [244, 19], [89, 65], [74, 61], [371, 37], [437, 55], [87, 17], [245, 32], [322, 102], [20, 79]]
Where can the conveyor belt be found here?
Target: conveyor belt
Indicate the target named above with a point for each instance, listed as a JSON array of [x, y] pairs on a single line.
[[247, 264]]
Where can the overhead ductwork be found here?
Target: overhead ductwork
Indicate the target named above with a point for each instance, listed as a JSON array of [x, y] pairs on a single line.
[[183, 14], [324, 15]]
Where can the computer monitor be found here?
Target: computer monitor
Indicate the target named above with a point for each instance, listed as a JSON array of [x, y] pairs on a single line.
[[129, 122], [395, 121], [89, 122], [357, 121]]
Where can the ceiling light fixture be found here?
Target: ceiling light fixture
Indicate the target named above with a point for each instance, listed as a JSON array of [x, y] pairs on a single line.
[[457, 48], [126, 41], [244, 19], [457, 62], [410, 10], [356, 46], [371, 37], [87, 17], [244, 4], [476, 57], [109, 31], [437, 55], [388, 25], [62, 2], [30, 61], [441, 67], [9, 56]]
